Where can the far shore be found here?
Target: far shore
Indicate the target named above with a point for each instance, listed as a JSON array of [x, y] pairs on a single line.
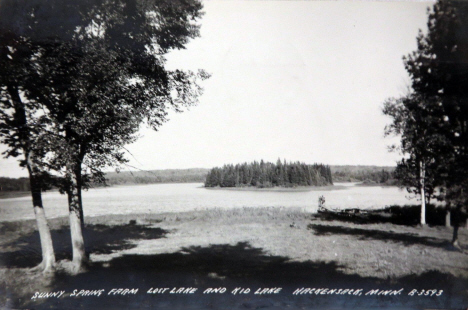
[[375, 184], [280, 189]]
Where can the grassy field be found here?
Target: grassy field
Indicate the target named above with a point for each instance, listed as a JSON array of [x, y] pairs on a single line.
[[250, 248]]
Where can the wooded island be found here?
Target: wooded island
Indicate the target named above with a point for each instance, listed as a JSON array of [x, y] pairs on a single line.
[[265, 174]]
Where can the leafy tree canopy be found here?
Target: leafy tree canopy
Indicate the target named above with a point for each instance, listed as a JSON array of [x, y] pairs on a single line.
[[96, 69]]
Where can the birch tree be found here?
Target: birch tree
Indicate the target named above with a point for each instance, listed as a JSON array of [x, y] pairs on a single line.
[[101, 76], [438, 69], [421, 144], [22, 128]]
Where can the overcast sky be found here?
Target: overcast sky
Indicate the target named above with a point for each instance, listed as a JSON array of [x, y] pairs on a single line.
[[301, 80]]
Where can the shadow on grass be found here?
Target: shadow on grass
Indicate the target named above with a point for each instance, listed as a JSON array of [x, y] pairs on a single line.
[[374, 234], [408, 215], [240, 265], [99, 239]]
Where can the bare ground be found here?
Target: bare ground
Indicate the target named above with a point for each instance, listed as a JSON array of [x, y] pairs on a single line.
[[250, 247]]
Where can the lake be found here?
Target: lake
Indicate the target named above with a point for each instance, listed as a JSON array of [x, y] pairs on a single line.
[[162, 198]]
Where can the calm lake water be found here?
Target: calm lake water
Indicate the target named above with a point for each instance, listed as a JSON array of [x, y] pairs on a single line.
[[162, 198]]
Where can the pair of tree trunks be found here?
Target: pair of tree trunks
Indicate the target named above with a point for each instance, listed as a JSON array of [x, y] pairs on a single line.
[[456, 225], [80, 258], [42, 61]]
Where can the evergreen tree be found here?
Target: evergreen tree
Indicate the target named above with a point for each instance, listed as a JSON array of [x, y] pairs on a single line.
[[266, 174], [436, 112]]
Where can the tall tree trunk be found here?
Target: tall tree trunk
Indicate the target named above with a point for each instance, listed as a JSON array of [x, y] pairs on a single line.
[[422, 177], [457, 221], [78, 246], [80, 199], [455, 235], [447, 218], [24, 133], [79, 185], [48, 254]]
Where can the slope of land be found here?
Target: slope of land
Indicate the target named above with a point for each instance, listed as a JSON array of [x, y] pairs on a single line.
[[251, 248]]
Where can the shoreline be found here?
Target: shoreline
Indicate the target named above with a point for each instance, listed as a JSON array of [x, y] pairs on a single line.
[[280, 189], [20, 194]]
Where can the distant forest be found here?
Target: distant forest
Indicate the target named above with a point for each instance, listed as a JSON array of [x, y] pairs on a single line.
[[265, 174], [194, 175], [13, 185], [367, 174]]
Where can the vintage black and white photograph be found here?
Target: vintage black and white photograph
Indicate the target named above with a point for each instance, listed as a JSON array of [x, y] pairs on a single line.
[[244, 154]]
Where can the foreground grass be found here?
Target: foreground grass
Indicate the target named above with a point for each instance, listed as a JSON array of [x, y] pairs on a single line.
[[261, 246]]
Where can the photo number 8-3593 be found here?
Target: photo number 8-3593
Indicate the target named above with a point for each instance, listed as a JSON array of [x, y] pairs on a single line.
[[433, 292]]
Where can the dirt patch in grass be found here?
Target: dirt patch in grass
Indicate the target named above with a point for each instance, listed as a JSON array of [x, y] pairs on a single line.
[[248, 247]]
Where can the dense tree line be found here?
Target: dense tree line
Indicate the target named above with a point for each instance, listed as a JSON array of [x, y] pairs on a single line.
[[265, 174], [366, 174], [194, 175], [157, 176], [11, 184]]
